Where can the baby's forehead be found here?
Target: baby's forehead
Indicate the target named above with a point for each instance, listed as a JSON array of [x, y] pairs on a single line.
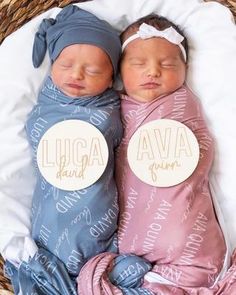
[[151, 47], [78, 50]]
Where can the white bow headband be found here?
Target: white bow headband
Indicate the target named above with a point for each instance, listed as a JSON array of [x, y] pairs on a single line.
[[146, 31]]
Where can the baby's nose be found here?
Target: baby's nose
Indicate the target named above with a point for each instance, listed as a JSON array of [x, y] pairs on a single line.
[[154, 70], [77, 73]]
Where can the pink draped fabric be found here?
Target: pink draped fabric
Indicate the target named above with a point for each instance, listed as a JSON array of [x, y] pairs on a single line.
[[93, 278], [174, 228]]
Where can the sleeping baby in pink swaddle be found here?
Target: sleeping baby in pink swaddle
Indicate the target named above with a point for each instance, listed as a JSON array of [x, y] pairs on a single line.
[[175, 228], [172, 234]]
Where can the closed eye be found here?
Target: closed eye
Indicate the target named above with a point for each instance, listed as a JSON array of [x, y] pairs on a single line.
[[93, 71], [168, 65], [66, 66], [137, 63], [169, 62]]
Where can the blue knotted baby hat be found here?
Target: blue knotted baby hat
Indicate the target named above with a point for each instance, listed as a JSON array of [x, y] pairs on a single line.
[[74, 25]]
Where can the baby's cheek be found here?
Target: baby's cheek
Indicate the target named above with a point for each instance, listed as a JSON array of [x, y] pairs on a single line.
[[128, 88], [130, 81]]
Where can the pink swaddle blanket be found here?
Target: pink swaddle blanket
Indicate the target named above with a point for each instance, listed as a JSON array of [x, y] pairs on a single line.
[[174, 228]]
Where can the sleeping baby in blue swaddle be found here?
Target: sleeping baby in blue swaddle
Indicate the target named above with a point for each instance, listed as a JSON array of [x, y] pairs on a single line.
[[84, 52]]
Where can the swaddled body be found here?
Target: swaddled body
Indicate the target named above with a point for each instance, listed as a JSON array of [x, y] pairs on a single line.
[[180, 234], [169, 238], [76, 225], [178, 231], [175, 228], [69, 227]]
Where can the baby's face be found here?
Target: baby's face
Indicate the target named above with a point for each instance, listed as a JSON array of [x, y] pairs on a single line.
[[152, 68], [82, 70]]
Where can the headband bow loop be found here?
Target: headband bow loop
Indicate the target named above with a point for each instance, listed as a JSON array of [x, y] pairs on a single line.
[[146, 31]]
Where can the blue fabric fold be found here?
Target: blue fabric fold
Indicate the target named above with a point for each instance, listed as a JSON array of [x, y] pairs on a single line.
[[43, 274], [128, 274]]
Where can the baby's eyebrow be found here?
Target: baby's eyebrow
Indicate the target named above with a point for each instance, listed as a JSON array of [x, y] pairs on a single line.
[[132, 58], [172, 56], [169, 58], [164, 57], [63, 59]]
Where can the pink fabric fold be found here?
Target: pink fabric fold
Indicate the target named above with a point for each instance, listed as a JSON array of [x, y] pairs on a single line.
[[93, 278], [225, 286]]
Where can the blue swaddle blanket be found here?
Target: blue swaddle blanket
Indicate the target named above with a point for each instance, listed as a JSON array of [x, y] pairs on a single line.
[[75, 225]]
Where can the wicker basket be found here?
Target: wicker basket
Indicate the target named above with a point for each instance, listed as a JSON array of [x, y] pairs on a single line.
[[4, 283], [15, 13]]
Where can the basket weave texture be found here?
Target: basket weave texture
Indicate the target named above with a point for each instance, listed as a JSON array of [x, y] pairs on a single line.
[[15, 13], [4, 282]]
